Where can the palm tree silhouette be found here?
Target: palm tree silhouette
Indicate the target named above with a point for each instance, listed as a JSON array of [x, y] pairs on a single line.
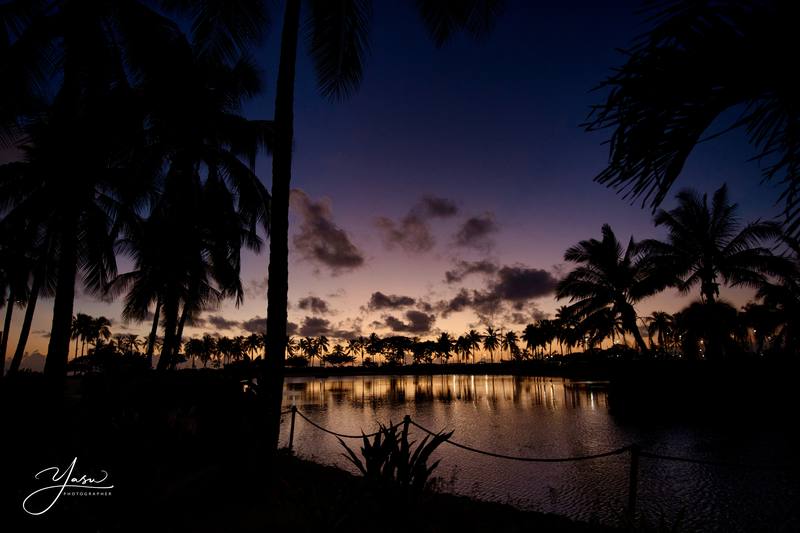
[[338, 35], [490, 342], [706, 242], [661, 324], [700, 60], [610, 280], [509, 342], [473, 340], [444, 346], [782, 295]]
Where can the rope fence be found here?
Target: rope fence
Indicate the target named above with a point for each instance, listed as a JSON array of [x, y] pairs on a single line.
[[634, 450]]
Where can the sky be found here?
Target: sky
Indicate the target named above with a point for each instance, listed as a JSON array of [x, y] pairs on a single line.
[[453, 178]]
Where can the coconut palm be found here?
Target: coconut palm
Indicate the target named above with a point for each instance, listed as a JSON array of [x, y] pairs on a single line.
[[699, 61], [782, 295], [444, 346], [462, 347], [510, 342], [532, 337], [707, 242], [610, 279], [490, 342], [338, 33], [661, 325], [473, 339]]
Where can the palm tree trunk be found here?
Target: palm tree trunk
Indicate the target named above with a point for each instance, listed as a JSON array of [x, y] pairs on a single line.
[[55, 366], [278, 289], [27, 321], [179, 336], [151, 341], [170, 325], [6, 327]]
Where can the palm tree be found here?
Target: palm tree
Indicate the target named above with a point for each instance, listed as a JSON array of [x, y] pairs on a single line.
[[699, 61], [490, 342], [661, 324], [473, 339], [99, 330], [510, 343], [610, 279], [462, 347], [374, 345], [89, 55], [782, 295], [532, 336], [706, 243], [338, 34], [444, 347], [321, 345]]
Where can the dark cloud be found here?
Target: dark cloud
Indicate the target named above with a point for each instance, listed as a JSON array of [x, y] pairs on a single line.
[[219, 322], [509, 291], [519, 283], [315, 326], [256, 324], [292, 328], [476, 232], [465, 268], [314, 304], [413, 233], [379, 300], [320, 240], [416, 322], [436, 207]]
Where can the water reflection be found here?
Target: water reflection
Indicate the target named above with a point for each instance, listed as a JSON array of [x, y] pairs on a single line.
[[553, 417], [494, 391]]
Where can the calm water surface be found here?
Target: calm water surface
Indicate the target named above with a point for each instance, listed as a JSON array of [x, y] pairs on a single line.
[[553, 417]]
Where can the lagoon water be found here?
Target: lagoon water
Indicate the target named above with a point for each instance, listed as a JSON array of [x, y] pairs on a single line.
[[554, 417]]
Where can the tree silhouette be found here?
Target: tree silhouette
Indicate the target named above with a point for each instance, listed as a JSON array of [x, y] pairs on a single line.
[[706, 242], [699, 61], [609, 281], [490, 342]]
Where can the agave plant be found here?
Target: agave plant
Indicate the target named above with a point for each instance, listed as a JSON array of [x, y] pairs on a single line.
[[389, 457]]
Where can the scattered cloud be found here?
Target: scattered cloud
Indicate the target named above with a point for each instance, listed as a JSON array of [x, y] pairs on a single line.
[[313, 326], [509, 291], [219, 322], [256, 288], [465, 268], [416, 322], [314, 304], [520, 283], [476, 232], [379, 300], [257, 324], [413, 233], [320, 240]]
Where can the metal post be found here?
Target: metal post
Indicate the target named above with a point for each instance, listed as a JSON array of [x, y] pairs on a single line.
[[633, 482], [291, 428]]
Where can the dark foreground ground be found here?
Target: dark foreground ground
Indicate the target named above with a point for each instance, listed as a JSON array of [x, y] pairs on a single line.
[[184, 453]]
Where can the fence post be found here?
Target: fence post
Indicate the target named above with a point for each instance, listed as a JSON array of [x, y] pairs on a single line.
[[633, 482], [291, 428], [406, 422]]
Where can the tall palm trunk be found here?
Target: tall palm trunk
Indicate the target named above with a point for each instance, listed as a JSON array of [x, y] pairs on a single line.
[[151, 341], [277, 291], [27, 321], [629, 319], [170, 325], [55, 366], [179, 335], [6, 327]]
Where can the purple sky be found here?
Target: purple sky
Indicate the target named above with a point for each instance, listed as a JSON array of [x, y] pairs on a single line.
[[468, 153]]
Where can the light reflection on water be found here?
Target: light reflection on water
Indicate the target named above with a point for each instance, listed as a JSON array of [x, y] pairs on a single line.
[[552, 417]]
